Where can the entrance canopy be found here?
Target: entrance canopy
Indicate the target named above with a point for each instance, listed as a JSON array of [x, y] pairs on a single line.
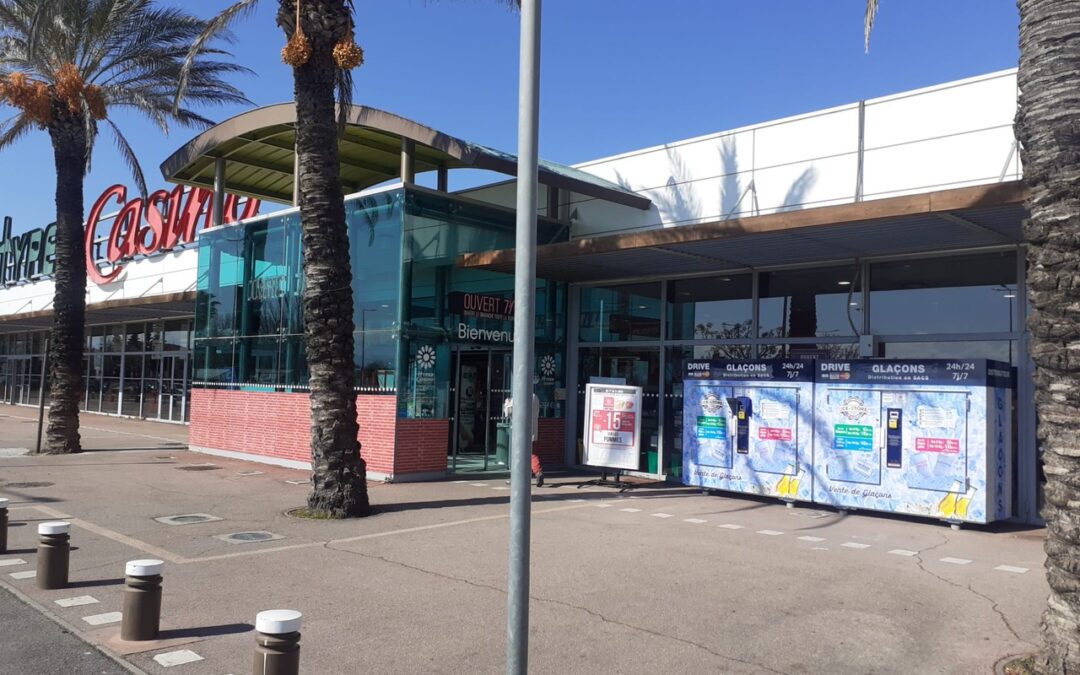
[[258, 151], [947, 220]]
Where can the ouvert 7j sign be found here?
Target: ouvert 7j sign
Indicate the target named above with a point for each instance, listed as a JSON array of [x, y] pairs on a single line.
[[146, 226]]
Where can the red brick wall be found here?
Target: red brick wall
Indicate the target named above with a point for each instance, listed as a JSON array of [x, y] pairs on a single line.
[[278, 425], [376, 416], [421, 446], [550, 441]]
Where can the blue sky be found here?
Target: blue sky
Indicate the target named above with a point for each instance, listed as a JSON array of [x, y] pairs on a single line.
[[611, 81]]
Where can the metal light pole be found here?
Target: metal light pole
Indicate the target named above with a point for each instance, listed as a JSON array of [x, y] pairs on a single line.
[[517, 619]]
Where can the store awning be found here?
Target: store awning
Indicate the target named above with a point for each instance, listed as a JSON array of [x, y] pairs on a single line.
[[947, 220], [258, 147], [110, 311]]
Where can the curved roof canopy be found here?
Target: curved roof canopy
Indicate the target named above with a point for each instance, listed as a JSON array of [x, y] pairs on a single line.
[[258, 149]]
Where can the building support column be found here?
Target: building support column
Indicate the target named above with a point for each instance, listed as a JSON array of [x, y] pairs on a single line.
[[219, 192], [408, 161], [443, 183]]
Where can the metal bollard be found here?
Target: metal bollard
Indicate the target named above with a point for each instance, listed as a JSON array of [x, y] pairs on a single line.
[[277, 638], [3, 525], [142, 600], [52, 554]]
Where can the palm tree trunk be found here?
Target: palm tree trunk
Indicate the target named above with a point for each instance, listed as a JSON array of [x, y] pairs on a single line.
[[1048, 127], [69, 303], [339, 485]]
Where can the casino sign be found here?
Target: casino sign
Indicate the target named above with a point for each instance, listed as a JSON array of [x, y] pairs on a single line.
[[142, 227]]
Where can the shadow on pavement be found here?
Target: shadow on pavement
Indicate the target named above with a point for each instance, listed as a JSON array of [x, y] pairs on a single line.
[[206, 631], [96, 582]]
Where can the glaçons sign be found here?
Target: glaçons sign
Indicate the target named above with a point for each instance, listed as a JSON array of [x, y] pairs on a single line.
[[156, 224]]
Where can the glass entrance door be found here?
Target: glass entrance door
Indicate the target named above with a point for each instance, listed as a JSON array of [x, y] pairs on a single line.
[[20, 385], [167, 401], [482, 382]]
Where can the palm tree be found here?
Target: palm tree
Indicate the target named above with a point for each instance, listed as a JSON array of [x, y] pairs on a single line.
[[1047, 123], [65, 65], [322, 53]]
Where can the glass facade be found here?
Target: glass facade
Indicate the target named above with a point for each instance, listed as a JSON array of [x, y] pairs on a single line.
[[416, 312], [932, 307], [140, 369]]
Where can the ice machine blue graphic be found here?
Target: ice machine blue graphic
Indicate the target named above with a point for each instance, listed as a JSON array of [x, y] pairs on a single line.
[[747, 427], [930, 438]]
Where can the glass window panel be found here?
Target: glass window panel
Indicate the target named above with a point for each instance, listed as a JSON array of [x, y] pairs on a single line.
[[114, 338], [955, 294], [998, 350], [818, 302], [619, 313], [136, 337], [177, 335], [714, 308], [375, 253], [97, 338], [111, 366], [214, 360], [294, 361], [257, 359], [110, 395], [843, 350]]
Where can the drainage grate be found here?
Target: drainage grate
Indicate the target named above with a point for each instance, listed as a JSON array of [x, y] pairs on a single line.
[[187, 519], [197, 467], [248, 537], [31, 484]]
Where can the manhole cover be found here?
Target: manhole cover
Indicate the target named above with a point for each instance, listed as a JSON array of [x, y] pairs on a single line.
[[187, 519], [28, 485], [248, 537], [197, 467]]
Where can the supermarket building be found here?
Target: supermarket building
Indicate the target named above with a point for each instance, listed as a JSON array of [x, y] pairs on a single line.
[[889, 227]]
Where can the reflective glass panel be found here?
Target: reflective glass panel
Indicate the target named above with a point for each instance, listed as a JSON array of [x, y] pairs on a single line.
[[620, 313], [806, 303], [713, 308]]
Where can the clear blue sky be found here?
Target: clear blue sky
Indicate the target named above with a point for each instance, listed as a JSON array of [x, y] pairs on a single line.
[[616, 75]]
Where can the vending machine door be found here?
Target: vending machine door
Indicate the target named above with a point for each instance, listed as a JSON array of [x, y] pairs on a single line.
[[935, 443], [774, 430], [853, 448], [708, 426]]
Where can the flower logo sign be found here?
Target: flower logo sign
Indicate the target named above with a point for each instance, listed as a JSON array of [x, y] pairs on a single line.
[[547, 366], [425, 357]]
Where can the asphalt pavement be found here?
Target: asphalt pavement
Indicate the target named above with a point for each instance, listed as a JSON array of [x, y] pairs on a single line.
[[34, 645]]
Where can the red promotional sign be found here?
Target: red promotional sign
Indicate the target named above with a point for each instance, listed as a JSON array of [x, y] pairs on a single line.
[[947, 445], [153, 225], [773, 434]]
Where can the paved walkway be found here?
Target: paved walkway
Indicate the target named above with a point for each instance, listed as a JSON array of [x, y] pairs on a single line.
[[663, 579]]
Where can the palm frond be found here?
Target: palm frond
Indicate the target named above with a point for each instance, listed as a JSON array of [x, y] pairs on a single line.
[[868, 23], [13, 129], [129, 157], [218, 27]]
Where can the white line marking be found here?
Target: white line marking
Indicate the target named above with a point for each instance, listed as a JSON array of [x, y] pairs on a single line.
[[819, 548], [731, 526], [695, 521], [177, 658], [12, 561], [660, 515], [575, 501], [501, 487], [249, 473], [1010, 568], [812, 539], [77, 601], [29, 574], [855, 545], [298, 482], [459, 482], [478, 484], [629, 510], [955, 561], [102, 619], [903, 552], [770, 533], [115, 536], [602, 506]]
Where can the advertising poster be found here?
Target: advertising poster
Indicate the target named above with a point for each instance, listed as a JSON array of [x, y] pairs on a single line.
[[929, 438], [748, 427], [612, 426]]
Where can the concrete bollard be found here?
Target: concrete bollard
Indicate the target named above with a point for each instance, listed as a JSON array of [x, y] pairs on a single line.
[[3, 525], [52, 554], [277, 638], [142, 600]]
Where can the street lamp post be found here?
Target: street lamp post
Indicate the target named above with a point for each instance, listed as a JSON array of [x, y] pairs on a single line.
[[517, 621]]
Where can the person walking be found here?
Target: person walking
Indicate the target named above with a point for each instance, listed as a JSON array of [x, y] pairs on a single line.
[[508, 411]]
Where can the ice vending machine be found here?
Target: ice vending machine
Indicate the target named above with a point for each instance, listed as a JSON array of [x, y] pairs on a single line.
[[930, 438], [747, 427]]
